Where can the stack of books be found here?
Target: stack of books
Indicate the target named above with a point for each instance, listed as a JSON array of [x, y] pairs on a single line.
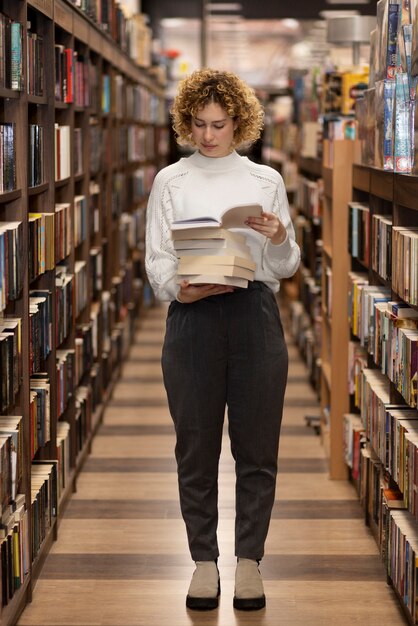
[[209, 253]]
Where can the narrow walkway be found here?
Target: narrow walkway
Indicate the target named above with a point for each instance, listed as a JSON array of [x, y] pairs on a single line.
[[121, 558]]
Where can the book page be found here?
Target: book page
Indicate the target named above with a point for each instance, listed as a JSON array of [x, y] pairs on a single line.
[[235, 216]]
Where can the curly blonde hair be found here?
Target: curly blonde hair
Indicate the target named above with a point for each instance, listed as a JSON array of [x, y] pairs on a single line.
[[223, 88]]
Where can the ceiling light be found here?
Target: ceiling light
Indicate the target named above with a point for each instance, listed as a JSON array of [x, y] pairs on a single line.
[[223, 6], [290, 23]]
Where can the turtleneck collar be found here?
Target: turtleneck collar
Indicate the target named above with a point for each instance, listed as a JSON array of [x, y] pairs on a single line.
[[219, 164]]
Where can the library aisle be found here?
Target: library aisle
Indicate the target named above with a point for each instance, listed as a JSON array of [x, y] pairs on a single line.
[[121, 558]]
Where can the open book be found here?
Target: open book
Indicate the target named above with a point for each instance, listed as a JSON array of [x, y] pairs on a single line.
[[234, 217]]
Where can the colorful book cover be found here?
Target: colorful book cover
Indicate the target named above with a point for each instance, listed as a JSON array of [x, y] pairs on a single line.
[[391, 53], [389, 99], [402, 146]]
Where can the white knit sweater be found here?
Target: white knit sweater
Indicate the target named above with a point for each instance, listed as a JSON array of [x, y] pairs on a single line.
[[199, 185]]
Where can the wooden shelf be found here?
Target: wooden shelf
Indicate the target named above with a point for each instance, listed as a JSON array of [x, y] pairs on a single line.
[[405, 191], [335, 330], [9, 94], [361, 177], [381, 183], [33, 191], [39, 100], [59, 22], [394, 195], [311, 166], [326, 371], [9, 196], [327, 174]]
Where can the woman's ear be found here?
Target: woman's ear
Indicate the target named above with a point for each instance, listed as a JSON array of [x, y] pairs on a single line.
[[236, 123]]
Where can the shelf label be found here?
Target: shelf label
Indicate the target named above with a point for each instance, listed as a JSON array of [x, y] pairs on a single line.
[[63, 16], [81, 28], [45, 6]]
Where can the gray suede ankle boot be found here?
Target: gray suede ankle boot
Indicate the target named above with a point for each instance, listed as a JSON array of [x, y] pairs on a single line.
[[249, 590], [205, 587]]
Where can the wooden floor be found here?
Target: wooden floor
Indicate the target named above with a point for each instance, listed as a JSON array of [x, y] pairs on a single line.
[[121, 558]]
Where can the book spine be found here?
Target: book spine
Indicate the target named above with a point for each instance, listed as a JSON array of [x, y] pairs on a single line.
[[389, 99], [16, 56], [402, 147]]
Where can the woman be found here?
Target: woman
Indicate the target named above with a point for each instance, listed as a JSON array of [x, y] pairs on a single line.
[[223, 346]]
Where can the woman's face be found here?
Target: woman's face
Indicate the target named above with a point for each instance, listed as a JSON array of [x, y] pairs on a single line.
[[213, 131]]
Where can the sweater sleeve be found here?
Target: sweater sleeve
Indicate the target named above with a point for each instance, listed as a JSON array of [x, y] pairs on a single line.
[[282, 259], [160, 256]]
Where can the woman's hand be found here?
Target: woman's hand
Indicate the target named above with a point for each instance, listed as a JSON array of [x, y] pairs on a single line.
[[268, 225], [191, 293]]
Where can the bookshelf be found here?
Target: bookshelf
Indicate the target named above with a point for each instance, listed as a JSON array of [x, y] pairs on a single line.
[[337, 160], [381, 427], [306, 311], [82, 138]]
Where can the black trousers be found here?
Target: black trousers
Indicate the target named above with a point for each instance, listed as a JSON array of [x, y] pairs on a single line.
[[227, 350]]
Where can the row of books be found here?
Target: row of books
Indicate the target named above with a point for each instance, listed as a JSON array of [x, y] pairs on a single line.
[[7, 156], [379, 255], [63, 233], [11, 74], [311, 246], [358, 231], [391, 431], [141, 143], [109, 15], [389, 40], [96, 267], [141, 182], [36, 67], [10, 360], [83, 416], [44, 506], [14, 524], [405, 263], [40, 324], [136, 144], [41, 243], [386, 114], [327, 291], [396, 347], [14, 549], [381, 252], [81, 284], [40, 410], [388, 330], [11, 258], [403, 558], [84, 355], [80, 219], [78, 152], [394, 526], [64, 296], [62, 152], [11, 460], [306, 332], [65, 379], [310, 197], [36, 172], [63, 457]]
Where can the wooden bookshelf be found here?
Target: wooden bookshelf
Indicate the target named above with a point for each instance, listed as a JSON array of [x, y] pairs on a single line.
[[337, 161], [393, 197], [93, 259]]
